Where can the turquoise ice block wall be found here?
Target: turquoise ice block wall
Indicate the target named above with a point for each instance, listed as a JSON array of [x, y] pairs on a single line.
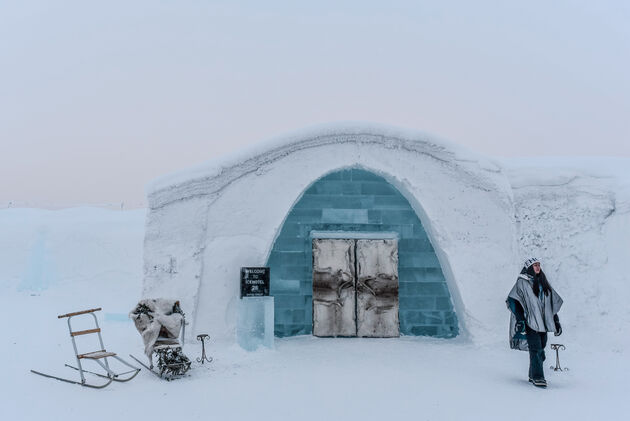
[[358, 200]]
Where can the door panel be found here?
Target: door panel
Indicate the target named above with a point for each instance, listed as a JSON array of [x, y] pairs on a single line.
[[334, 298], [377, 288]]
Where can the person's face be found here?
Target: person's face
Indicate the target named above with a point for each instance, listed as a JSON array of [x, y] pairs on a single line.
[[536, 268]]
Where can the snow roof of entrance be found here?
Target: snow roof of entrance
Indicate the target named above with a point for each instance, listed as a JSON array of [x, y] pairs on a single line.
[[265, 152]]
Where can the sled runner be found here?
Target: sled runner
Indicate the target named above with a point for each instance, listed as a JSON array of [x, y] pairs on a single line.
[[162, 325], [100, 356]]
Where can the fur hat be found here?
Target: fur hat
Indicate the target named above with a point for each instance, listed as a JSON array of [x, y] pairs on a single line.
[[530, 262]]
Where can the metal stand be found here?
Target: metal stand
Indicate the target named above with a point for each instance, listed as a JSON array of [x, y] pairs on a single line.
[[557, 348], [203, 338]]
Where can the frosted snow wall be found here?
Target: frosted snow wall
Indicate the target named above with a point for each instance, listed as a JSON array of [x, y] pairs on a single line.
[[356, 200], [575, 216], [205, 224]]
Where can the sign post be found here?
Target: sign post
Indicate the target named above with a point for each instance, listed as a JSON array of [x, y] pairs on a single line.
[[254, 326]]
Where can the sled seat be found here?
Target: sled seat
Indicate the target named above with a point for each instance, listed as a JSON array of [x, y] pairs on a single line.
[[164, 341], [174, 346], [97, 355]]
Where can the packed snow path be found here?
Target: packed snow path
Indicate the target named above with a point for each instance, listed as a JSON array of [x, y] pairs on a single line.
[[311, 378]]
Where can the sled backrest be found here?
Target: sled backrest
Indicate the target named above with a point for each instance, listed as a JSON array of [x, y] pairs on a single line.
[[165, 339], [76, 313], [75, 333]]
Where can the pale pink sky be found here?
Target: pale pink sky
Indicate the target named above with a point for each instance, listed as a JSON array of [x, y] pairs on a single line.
[[96, 100]]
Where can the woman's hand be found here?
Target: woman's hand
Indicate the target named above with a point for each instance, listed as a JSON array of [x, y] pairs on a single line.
[[556, 320]]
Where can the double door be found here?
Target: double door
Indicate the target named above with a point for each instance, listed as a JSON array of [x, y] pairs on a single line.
[[355, 287]]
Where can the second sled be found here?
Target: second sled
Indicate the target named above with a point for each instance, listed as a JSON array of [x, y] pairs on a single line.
[[166, 345]]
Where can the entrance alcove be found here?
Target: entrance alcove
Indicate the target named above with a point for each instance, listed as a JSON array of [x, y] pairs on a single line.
[[356, 203]]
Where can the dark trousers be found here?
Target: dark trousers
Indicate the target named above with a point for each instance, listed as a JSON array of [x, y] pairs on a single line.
[[536, 342]]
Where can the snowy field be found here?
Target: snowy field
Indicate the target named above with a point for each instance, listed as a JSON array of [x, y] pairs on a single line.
[[54, 262]]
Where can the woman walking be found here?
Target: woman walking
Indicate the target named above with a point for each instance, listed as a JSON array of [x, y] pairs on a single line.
[[534, 307]]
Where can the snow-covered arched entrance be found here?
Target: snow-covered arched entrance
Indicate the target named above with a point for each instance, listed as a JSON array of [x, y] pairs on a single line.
[[205, 224]]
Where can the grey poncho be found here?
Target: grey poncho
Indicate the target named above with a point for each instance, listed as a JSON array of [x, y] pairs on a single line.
[[539, 312]]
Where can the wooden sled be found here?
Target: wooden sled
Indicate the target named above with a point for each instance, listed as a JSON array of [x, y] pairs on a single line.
[[99, 356]]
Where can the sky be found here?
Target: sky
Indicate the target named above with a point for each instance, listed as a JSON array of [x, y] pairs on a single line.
[[99, 98]]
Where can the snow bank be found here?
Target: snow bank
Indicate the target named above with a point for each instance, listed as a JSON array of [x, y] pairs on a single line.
[[77, 258]]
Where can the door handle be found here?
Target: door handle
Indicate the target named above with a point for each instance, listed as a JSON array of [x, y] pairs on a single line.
[[366, 286], [344, 285], [328, 302]]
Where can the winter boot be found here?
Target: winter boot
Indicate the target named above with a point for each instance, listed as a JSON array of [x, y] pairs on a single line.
[[539, 382]]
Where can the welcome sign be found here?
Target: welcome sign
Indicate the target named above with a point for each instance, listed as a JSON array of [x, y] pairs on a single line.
[[254, 282]]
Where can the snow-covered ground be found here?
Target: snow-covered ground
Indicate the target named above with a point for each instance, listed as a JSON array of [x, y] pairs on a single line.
[[54, 262]]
